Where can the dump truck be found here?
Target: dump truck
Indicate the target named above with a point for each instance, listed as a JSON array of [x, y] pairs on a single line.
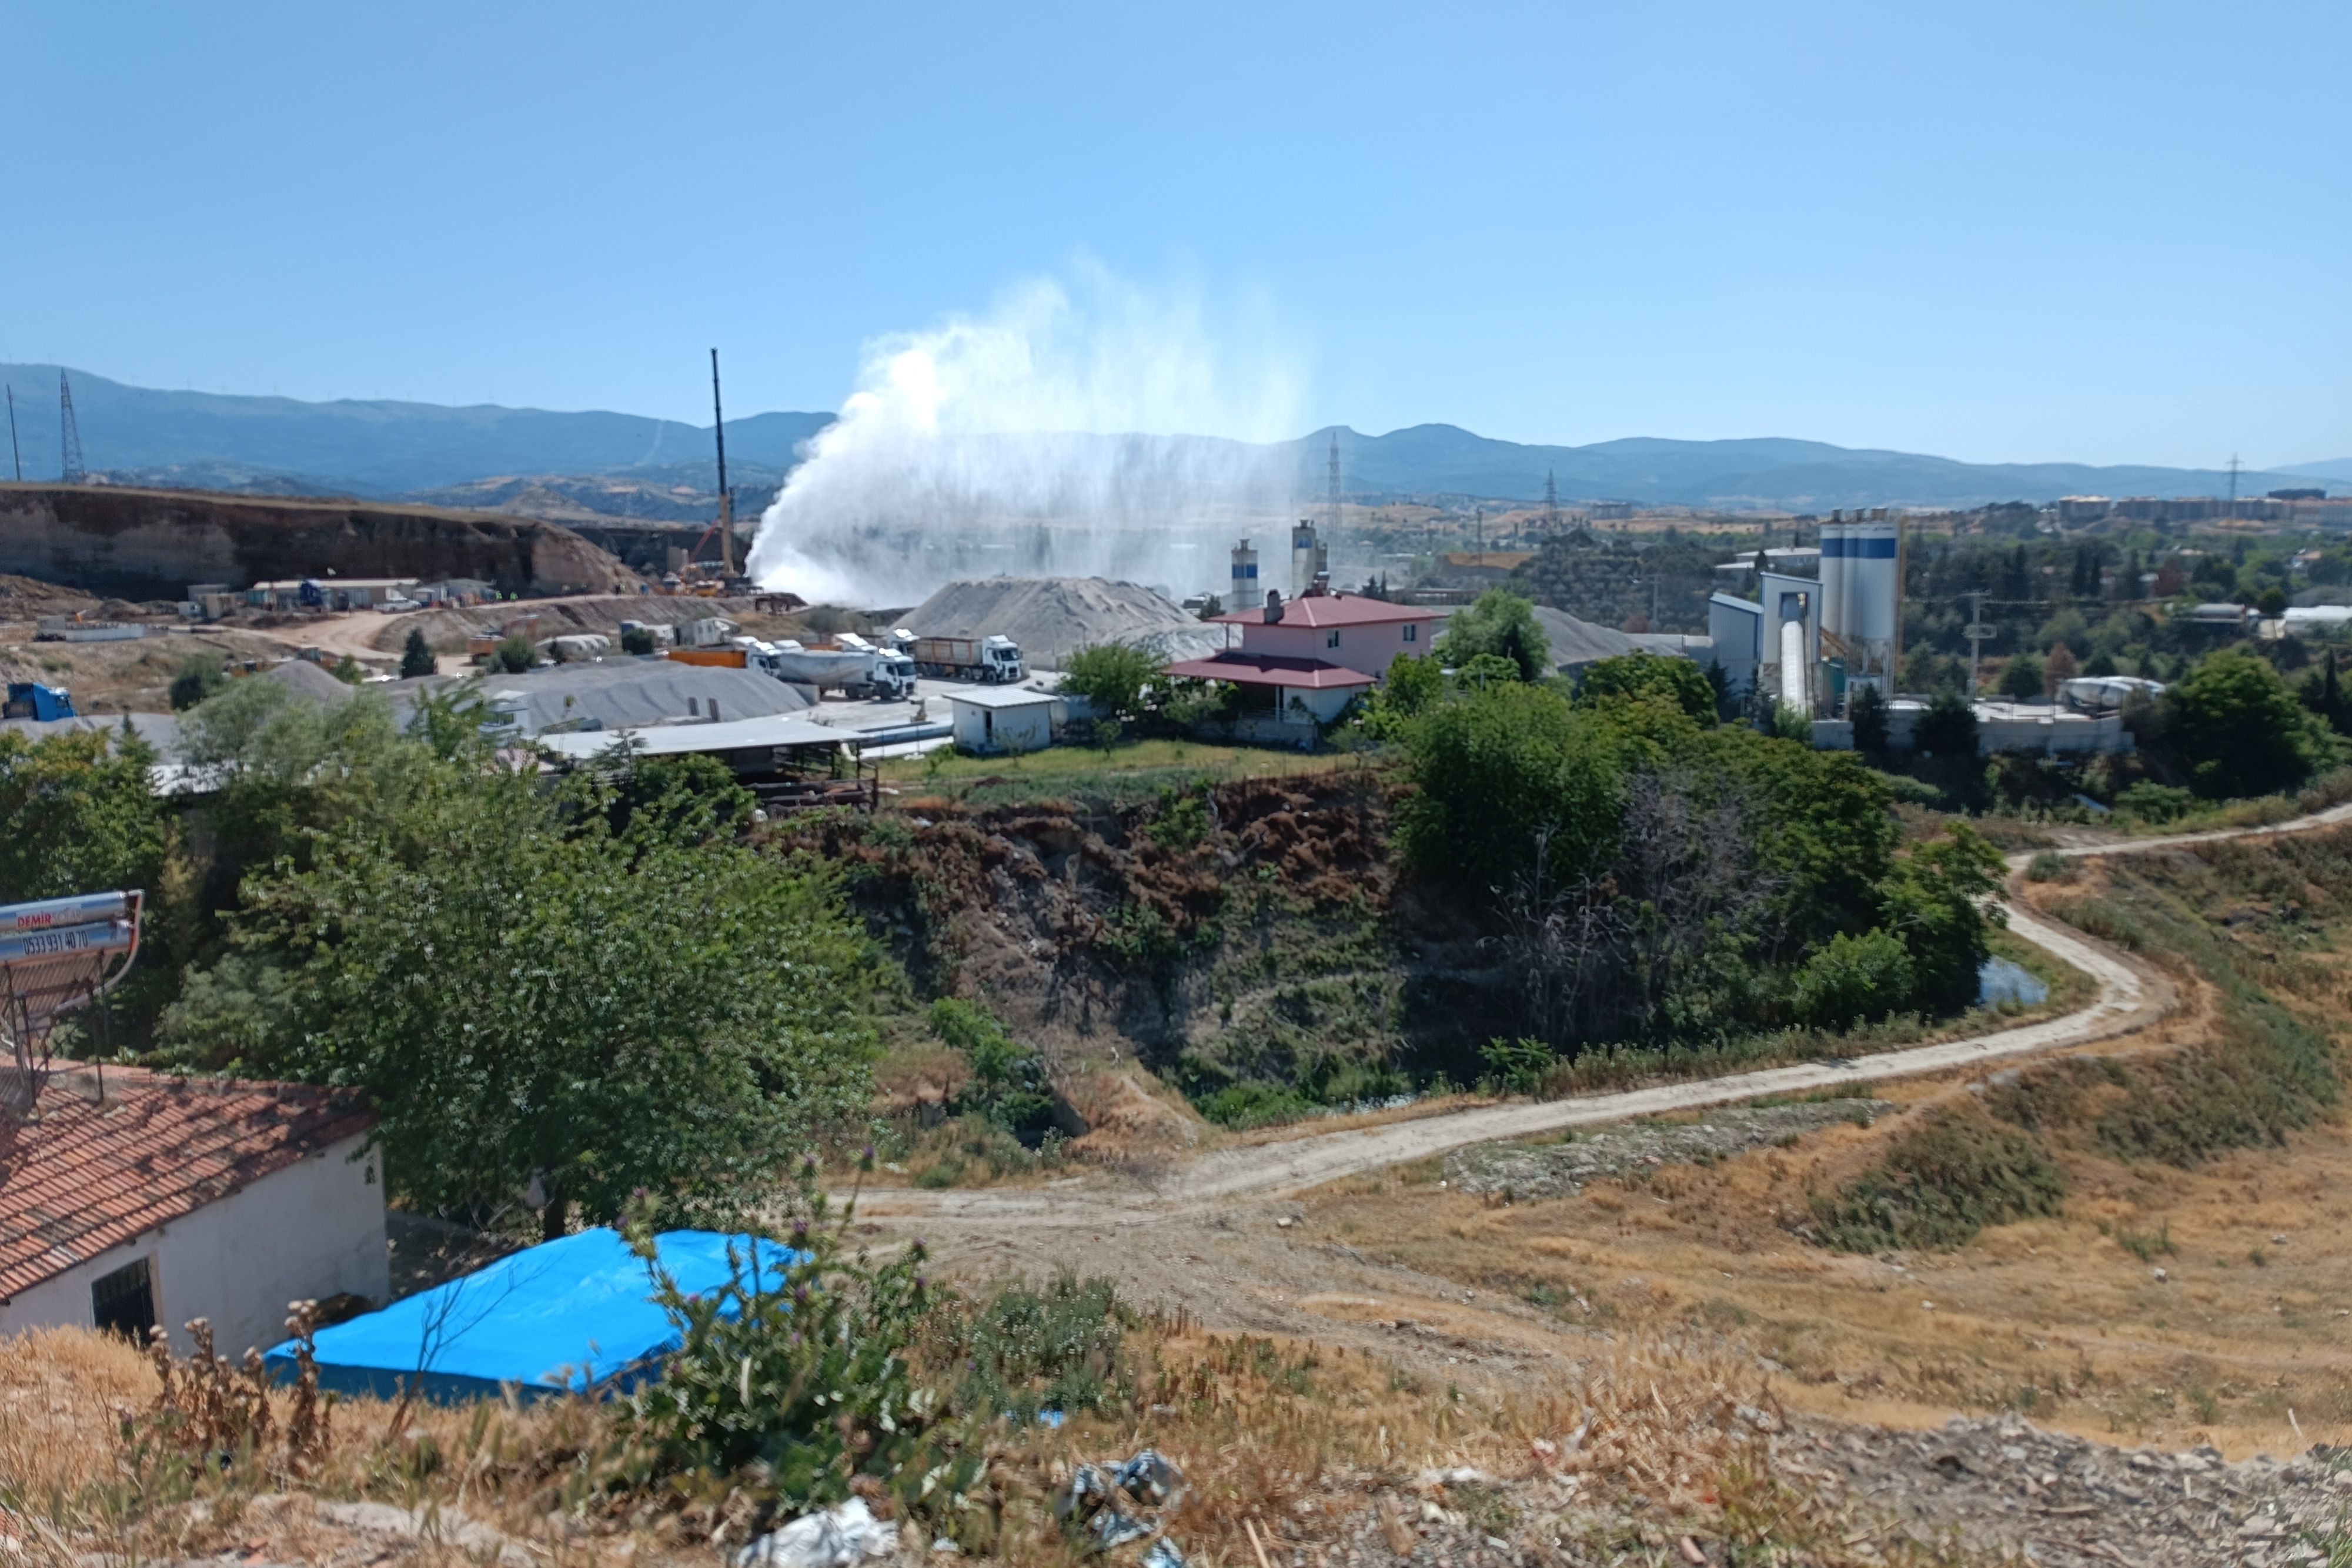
[[855, 673], [864, 671], [991, 661]]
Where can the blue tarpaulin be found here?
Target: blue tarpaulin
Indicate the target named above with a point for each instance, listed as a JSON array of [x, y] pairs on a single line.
[[575, 1313]]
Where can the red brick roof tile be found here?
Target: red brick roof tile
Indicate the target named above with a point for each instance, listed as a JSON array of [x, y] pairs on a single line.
[[78, 1176]]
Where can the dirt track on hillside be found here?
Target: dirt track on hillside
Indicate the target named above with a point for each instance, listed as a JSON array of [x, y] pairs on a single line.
[[1208, 1235]]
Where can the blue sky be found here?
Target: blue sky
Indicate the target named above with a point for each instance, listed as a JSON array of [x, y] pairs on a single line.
[[2101, 233]]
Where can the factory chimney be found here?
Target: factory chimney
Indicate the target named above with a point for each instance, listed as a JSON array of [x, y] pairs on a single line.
[[1306, 557]]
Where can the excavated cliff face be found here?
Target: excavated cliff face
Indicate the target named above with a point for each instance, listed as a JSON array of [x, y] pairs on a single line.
[[151, 544]]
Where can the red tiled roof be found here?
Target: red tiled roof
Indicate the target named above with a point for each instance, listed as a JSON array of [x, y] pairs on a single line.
[[78, 1177], [1332, 609], [1269, 669]]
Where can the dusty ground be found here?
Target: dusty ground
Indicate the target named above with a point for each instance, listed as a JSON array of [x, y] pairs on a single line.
[[2173, 1308]]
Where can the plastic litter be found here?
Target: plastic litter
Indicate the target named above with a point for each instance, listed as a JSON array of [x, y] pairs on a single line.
[[838, 1537], [1091, 1502], [1148, 1477], [1114, 1527]]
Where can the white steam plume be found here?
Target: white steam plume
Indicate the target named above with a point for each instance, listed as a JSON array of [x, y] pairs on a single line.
[[1098, 428]]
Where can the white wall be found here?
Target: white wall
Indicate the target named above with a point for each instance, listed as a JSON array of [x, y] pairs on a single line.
[[314, 1228], [1029, 728]]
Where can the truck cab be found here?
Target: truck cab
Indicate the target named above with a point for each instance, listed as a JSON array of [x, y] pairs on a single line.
[[1001, 659]]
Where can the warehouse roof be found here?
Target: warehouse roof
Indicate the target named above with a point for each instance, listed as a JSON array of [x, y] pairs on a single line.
[[675, 739]]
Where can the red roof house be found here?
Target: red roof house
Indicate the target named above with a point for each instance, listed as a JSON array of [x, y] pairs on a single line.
[[129, 1199]]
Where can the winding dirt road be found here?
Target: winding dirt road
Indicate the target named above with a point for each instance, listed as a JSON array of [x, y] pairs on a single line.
[[2130, 996]]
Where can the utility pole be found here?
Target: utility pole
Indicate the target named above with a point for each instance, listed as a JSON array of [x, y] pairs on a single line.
[[69, 468], [1551, 503], [2233, 484], [1977, 633], [726, 496], [13, 450]]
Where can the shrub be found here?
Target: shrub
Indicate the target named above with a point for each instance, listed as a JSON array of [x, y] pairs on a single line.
[[1517, 1066], [1008, 1078], [1853, 978], [638, 640], [514, 655], [1027, 1349], [798, 1365], [1255, 1106], [2049, 866], [1939, 1184], [2153, 802], [2022, 679]]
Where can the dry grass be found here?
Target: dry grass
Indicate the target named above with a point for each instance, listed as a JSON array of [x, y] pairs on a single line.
[[1305, 1448]]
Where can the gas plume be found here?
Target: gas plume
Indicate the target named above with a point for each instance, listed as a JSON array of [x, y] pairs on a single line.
[[1093, 427]]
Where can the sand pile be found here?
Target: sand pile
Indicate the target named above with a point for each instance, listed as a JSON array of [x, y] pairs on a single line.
[[1052, 617]]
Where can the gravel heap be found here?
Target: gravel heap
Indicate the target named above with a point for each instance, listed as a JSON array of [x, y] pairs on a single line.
[[1554, 1170], [1053, 616]]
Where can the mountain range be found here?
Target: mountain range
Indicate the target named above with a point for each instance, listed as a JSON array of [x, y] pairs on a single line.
[[384, 449]]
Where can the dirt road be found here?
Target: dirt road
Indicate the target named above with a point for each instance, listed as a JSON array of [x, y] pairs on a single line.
[[2130, 996], [1208, 1235]]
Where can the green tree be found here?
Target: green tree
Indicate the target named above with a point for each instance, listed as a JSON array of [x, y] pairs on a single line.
[[2238, 728], [514, 655], [692, 796], [1212, 608], [1657, 677], [1113, 677], [80, 815], [1949, 726], [2021, 679], [638, 641], [1937, 900], [1503, 624], [1414, 686], [536, 1003], [199, 677], [1867, 709], [416, 658], [2272, 601], [1855, 977], [1500, 771]]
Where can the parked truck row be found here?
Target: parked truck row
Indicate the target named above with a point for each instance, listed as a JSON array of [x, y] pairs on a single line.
[[851, 664]]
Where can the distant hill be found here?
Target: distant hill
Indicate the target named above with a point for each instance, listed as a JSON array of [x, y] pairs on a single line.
[[367, 448], [1767, 472], [620, 464]]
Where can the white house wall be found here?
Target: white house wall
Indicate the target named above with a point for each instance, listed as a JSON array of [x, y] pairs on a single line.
[[313, 1229]]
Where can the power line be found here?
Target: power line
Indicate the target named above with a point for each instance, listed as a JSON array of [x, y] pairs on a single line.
[[69, 468]]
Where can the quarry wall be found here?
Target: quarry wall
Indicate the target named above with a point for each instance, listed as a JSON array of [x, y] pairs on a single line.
[[152, 544]]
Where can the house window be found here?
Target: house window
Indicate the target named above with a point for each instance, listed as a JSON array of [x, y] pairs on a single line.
[[1331, 639], [1411, 632], [123, 1303]]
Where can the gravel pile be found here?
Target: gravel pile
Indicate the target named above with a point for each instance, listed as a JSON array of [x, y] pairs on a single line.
[[1554, 1170], [2071, 1503], [1053, 616]]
